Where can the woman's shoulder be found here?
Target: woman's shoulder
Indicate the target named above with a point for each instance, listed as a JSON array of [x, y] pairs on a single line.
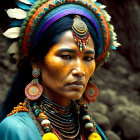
[[16, 117], [19, 120], [16, 120], [19, 126]]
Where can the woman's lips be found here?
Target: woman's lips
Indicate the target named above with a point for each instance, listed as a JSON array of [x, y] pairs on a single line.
[[76, 84]]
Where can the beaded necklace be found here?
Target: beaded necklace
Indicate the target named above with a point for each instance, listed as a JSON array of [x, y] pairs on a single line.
[[63, 119], [50, 132], [67, 132]]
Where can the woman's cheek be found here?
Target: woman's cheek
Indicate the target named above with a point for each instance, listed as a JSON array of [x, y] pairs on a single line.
[[53, 64], [90, 69], [93, 67], [56, 67]]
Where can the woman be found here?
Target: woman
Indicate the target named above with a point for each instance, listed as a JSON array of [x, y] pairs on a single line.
[[59, 44]]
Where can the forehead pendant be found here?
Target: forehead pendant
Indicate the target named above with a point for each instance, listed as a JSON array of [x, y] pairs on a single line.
[[80, 32]]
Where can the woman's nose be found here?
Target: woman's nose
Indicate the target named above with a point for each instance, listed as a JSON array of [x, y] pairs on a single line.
[[78, 68]]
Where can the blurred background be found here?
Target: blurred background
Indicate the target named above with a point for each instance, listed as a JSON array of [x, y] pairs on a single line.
[[117, 109]]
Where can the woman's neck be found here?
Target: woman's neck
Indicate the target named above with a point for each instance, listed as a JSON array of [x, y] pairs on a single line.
[[61, 116], [56, 98]]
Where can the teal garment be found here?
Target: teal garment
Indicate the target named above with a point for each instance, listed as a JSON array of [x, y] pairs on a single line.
[[19, 126], [100, 131]]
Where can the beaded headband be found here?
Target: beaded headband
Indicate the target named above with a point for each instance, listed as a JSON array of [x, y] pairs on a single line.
[[33, 17]]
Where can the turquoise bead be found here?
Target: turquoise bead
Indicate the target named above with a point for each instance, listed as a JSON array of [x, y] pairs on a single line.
[[36, 112], [47, 130]]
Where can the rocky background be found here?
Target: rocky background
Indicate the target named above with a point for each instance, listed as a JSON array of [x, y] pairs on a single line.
[[117, 109]]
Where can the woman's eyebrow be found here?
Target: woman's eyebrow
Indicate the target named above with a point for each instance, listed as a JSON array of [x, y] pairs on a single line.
[[89, 52], [66, 50], [74, 51]]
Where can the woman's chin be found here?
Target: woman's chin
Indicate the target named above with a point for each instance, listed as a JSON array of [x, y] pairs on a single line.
[[75, 95]]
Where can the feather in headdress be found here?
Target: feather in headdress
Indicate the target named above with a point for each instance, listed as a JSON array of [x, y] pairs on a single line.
[[16, 23], [116, 44], [12, 32], [17, 13], [13, 52], [93, 1], [25, 2], [23, 6]]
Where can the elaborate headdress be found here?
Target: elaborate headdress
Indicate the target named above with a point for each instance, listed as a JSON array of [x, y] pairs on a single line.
[[33, 17]]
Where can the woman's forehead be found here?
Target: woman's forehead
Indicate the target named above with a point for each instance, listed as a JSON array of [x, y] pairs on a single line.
[[67, 37], [68, 40], [68, 43]]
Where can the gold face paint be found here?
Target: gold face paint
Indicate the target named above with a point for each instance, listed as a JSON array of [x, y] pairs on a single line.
[[65, 74]]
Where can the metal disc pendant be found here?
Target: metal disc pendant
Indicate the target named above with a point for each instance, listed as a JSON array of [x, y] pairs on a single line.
[[91, 92], [33, 91]]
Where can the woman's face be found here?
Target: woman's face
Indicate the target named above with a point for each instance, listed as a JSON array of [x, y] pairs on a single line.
[[65, 72]]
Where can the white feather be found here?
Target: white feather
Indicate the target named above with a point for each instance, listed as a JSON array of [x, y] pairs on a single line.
[[12, 32], [93, 1], [13, 49], [25, 2], [102, 6], [111, 27], [114, 37], [114, 34], [107, 16], [116, 44], [17, 13]]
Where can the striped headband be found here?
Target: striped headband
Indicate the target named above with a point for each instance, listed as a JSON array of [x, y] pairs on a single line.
[[34, 17]]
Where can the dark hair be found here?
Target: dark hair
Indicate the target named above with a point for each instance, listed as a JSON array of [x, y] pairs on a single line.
[[51, 36], [38, 50]]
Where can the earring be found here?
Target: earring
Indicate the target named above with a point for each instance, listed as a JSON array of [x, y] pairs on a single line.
[[90, 94], [83, 101], [34, 90], [91, 91]]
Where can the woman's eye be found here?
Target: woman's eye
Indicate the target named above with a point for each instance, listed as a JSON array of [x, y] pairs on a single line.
[[88, 58], [65, 56]]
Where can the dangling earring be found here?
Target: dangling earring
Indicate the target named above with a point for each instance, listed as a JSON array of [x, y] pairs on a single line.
[[90, 94], [34, 90], [91, 91]]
